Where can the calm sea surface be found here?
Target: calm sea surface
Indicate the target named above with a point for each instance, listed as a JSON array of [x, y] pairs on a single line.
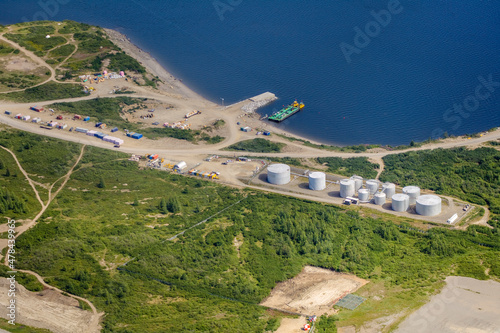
[[412, 76]]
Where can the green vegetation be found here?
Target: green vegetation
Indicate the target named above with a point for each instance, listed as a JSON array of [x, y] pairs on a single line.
[[257, 146], [18, 328], [46, 92], [189, 278], [355, 149], [5, 49], [15, 80], [360, 166], [62, 51], [494, 143], [33, 38], [105, 110], [471, 175]]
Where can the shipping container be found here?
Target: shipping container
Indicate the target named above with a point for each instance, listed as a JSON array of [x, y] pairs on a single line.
[[114, 130], [81, 130], [36, 108], [86, 119], [136, 136], [99, 135], [98, 124], [7, 112], [91, 133]]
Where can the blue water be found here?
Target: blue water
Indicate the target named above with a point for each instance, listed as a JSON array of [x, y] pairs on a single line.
[[397, 89]]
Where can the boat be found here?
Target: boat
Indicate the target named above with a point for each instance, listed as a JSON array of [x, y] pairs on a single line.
[[286, 112]]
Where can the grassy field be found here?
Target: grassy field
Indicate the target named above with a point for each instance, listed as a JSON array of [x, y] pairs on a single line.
[[360, 166], [46, 92], [111, 212], [257, 146]]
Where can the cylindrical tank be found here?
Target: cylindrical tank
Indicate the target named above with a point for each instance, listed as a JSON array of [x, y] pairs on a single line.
[[358, 182], [372, 185], [380, 198], [413, 192], [317, 181], [363, 194], [428, 205], [346, 188], [389, 189], [400, 202], [278, 174]]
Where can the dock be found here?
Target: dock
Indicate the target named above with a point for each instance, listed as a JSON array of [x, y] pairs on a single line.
[[259, 101]]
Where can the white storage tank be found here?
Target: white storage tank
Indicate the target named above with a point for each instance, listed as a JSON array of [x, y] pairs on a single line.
[[358, 182], [317, 181], [400, 202], [278, 174], [380, 198], [372, 185], [364, 195], [413, 192], [389, 189], [347, 188], [428, 205]]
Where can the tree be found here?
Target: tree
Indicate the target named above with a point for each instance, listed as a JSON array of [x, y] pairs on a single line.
[[163, 206], [101, 183], [173, 205], [135, 203]]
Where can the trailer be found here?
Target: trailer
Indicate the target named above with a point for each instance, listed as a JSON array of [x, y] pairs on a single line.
[[36, 108], [81, 130]]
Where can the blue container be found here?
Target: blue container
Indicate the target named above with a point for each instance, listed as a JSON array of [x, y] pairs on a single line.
[[99, 135], [114, 130], [98, 124], [136, 136], [86, 119]]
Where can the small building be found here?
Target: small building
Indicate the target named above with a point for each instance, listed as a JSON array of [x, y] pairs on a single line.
[[19, 116], [246, 129], [77, 117], [52, 124], [267, 133], [36, 120], [26, 118], [36, 108], [180, 166]]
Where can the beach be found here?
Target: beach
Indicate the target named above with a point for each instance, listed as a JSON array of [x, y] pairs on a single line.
[[170, 83]]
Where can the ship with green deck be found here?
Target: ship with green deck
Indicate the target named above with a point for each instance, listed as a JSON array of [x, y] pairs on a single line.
[[286, 112]]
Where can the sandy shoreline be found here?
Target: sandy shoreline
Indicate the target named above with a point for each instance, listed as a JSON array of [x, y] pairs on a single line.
[[153, 66]]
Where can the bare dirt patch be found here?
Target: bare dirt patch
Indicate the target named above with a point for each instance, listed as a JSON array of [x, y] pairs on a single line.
[[313, 291], [46, 309], [20, 64]]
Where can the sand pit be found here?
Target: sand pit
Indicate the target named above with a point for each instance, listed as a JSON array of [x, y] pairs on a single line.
[[464, 305], [47, 309], [313, 291]]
